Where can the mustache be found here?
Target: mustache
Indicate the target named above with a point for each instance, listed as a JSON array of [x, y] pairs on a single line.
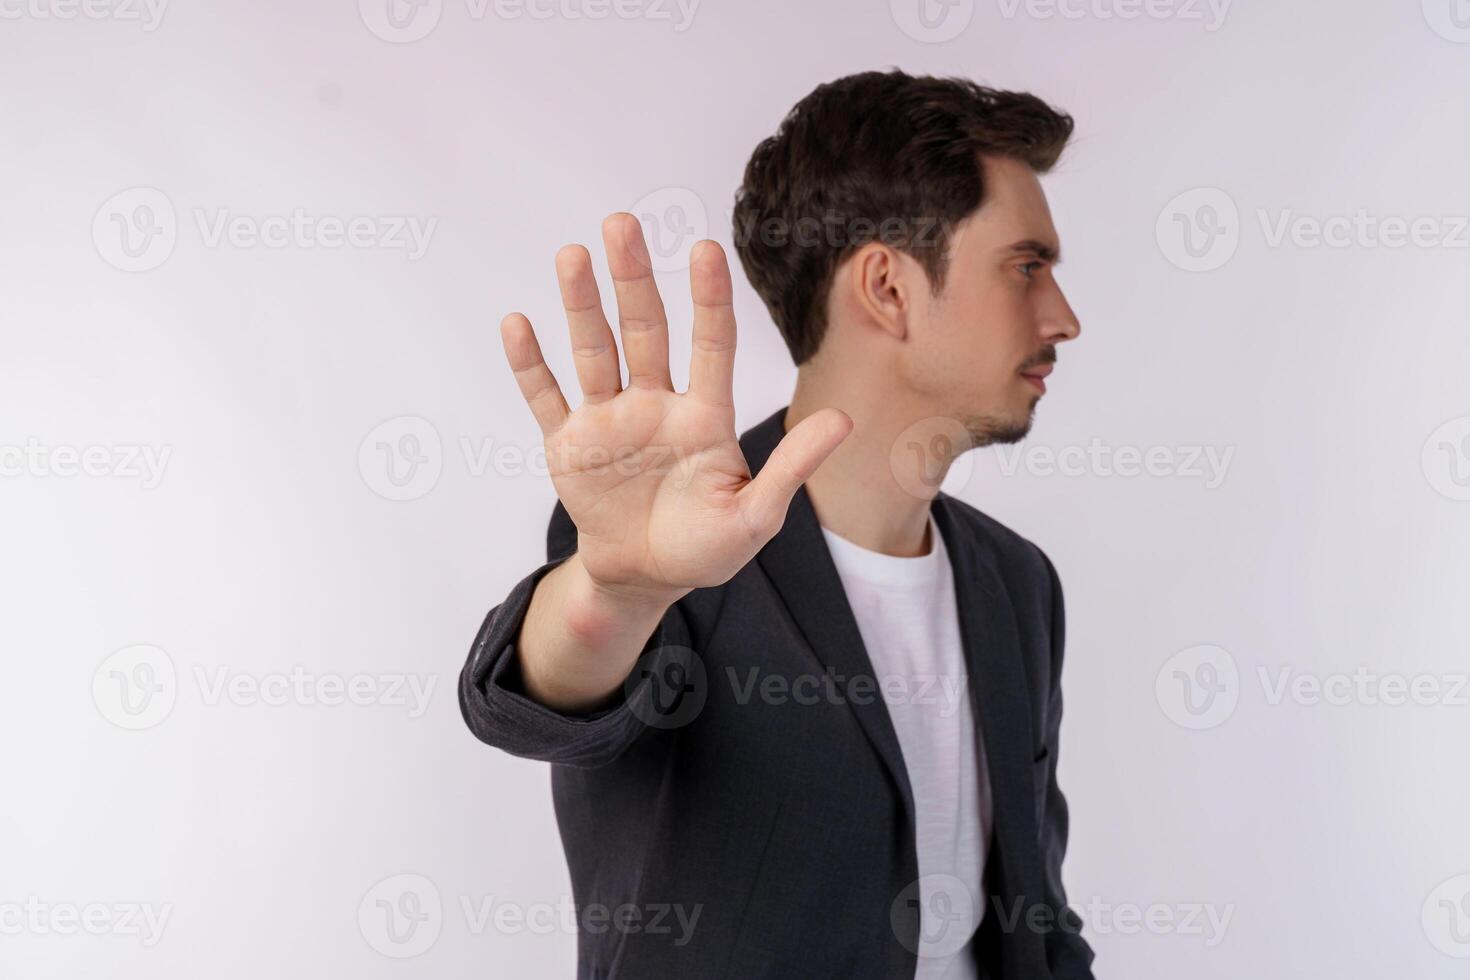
[[1047, 356]]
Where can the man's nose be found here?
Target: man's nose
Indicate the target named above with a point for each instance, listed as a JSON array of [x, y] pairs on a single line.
[[1058, 321]]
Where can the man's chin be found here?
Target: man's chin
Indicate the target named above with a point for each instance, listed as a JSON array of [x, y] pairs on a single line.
[[999, 430]]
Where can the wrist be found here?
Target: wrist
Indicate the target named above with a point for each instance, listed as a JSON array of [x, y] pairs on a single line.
[[597, 613]]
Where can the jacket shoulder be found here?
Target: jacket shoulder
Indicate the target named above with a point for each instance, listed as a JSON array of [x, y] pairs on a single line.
[[1014, 551]]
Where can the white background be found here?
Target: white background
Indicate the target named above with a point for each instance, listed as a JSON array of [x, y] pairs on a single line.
[[1331, 834]]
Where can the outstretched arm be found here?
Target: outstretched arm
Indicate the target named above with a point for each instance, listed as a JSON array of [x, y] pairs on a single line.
[[653, 479]]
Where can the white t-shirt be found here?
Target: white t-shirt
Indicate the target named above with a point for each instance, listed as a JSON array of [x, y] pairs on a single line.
[[906, 612]]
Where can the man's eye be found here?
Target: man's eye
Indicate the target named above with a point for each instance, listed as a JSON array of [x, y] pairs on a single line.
[[1028, 267]]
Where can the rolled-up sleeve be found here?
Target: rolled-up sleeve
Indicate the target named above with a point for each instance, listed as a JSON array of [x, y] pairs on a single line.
[[500, 713]]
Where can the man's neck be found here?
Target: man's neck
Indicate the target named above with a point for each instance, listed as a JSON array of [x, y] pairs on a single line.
[[855, 492]]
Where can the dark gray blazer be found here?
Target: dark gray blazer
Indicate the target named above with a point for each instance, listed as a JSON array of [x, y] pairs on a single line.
[[750, 776]]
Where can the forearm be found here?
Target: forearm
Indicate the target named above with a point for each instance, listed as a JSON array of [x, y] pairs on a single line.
[[579, 641]]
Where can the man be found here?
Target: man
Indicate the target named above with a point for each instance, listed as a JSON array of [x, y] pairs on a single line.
[[794, 697]]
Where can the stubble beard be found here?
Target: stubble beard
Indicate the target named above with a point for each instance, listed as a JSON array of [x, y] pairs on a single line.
[[992, 430]]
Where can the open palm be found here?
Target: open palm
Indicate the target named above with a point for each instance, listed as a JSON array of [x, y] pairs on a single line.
[[654, 479]]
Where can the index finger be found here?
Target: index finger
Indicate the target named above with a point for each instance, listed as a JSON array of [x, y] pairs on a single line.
[[537, 383]]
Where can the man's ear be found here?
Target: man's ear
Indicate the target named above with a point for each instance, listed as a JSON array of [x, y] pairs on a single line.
[[878, 290]]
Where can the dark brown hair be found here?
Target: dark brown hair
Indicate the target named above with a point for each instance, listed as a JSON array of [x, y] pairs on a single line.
[[875, 156]]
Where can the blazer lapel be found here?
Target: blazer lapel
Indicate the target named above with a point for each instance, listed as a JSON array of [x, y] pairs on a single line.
[[798, 563], [999, 694]]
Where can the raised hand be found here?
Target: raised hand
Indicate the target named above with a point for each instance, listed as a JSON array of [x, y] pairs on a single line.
[[654, 479]]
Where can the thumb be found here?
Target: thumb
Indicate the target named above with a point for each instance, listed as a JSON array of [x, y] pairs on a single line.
[[764, 499]]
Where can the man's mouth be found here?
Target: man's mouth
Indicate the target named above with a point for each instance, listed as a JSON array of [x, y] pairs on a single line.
[[1037, 376]]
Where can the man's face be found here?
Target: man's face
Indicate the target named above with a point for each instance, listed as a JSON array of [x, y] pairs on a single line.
[[985, 340]]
